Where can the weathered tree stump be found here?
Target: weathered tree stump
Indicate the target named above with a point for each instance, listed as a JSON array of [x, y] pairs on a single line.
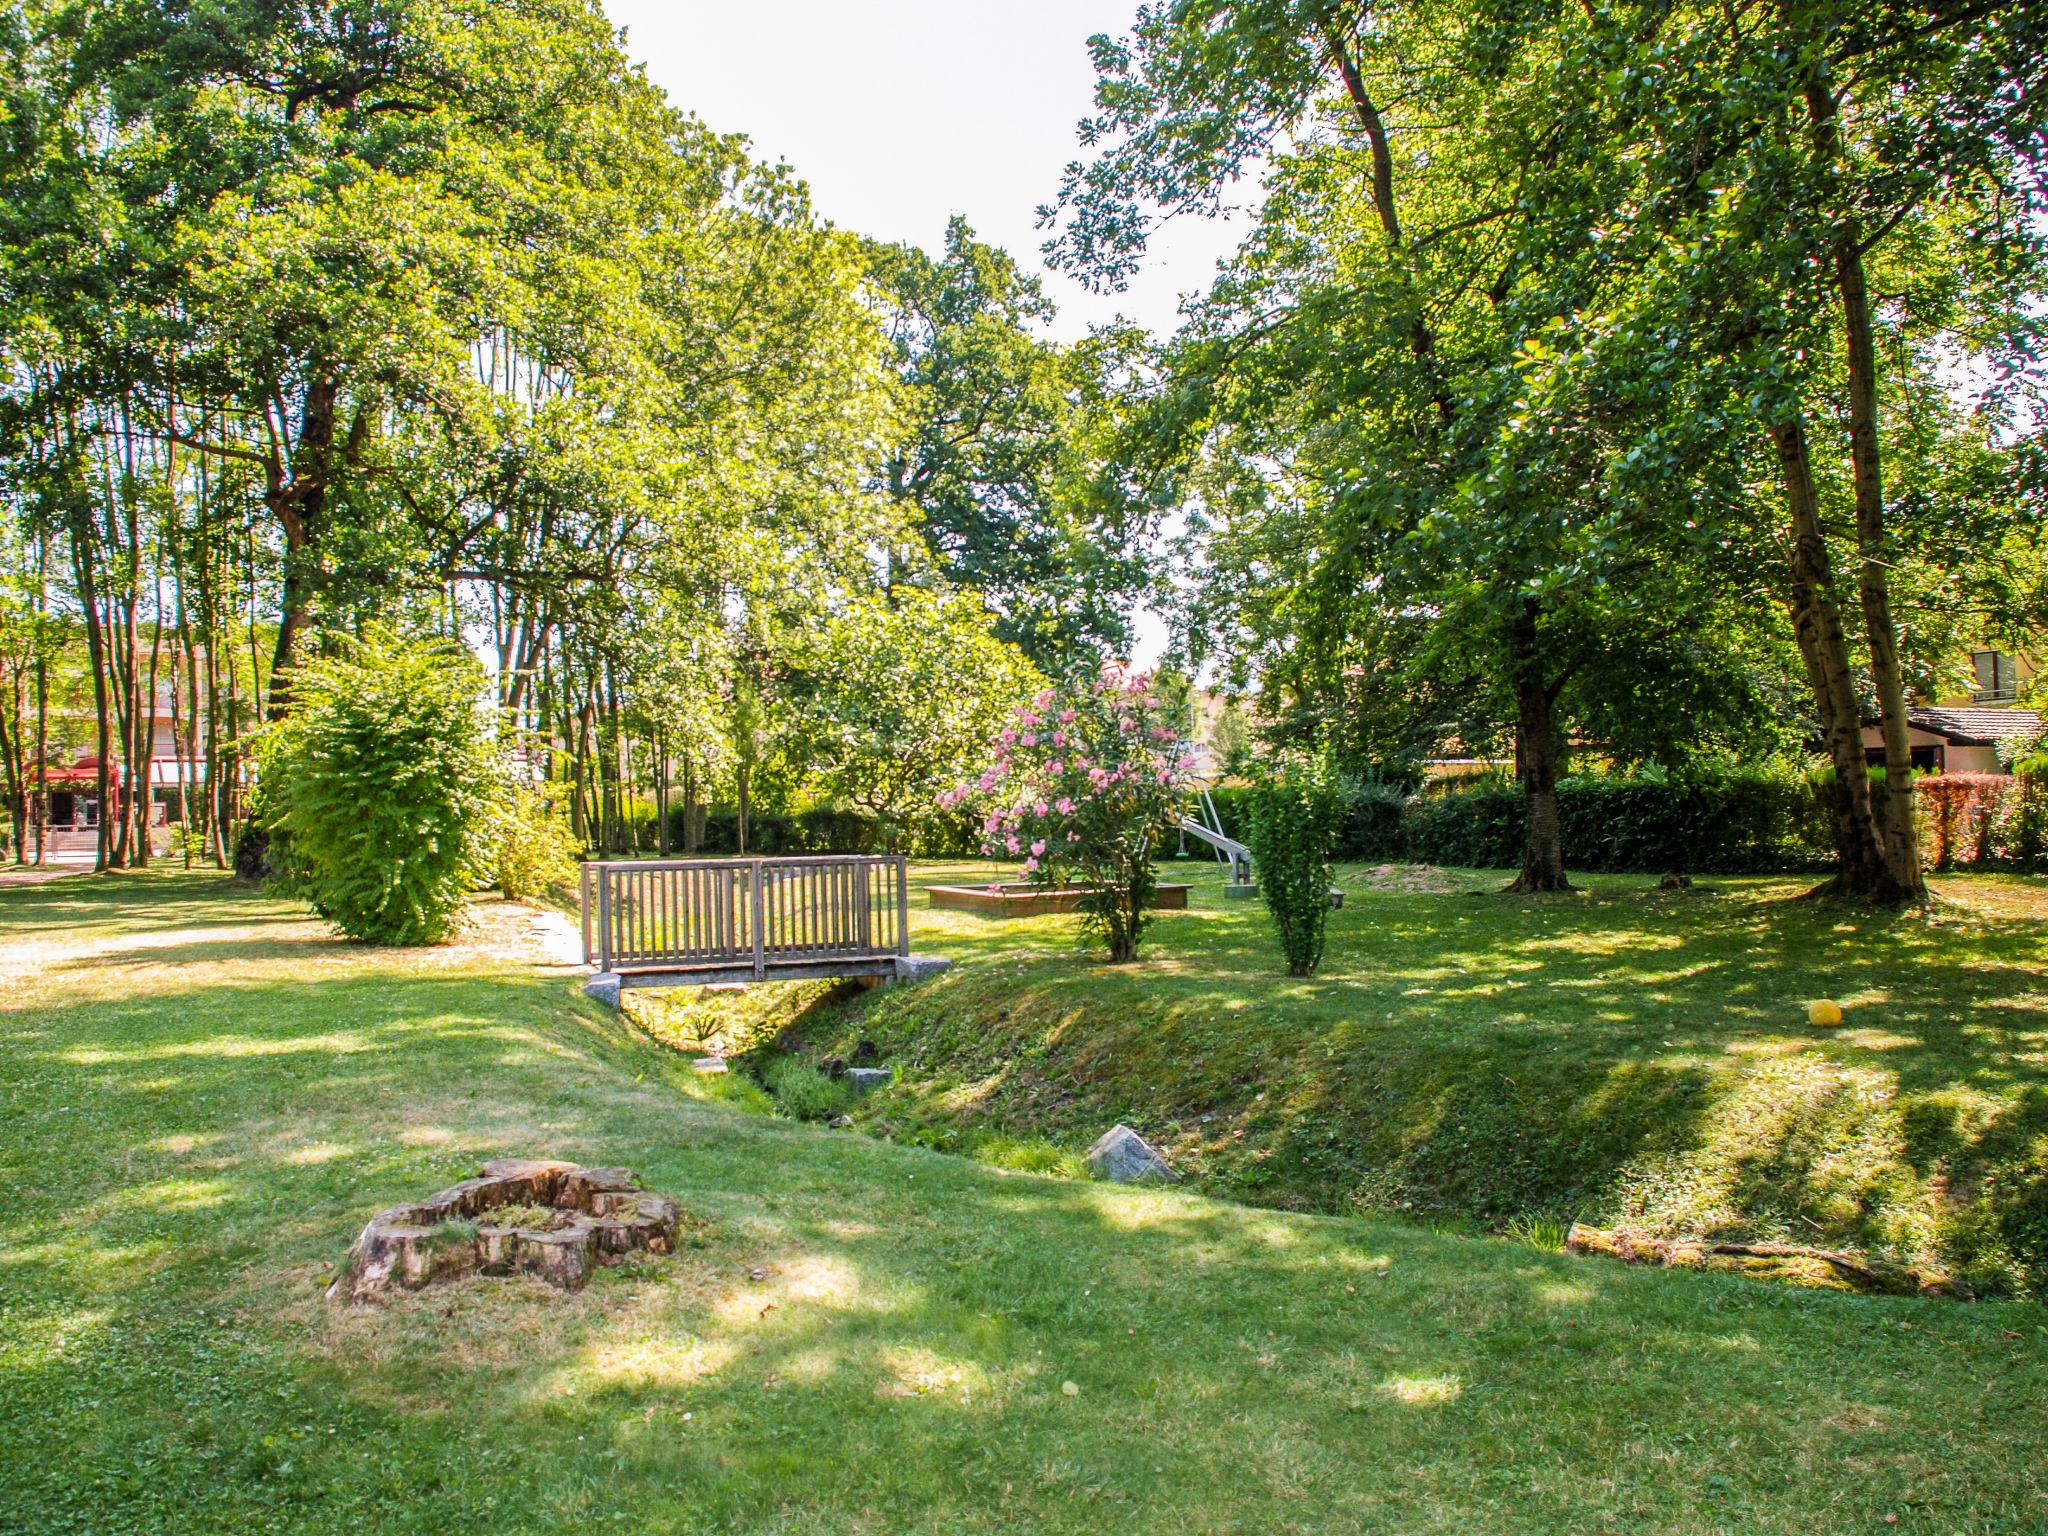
[[594, 1216]]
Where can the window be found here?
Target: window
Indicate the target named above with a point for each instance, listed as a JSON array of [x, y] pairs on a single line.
[[1997, 682]]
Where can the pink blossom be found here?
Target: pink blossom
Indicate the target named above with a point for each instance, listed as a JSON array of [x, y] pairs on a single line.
[[1065, 806], [1187, 761], [1165, 776], [1028, 740], [1044, 809], [1012, 844], [1044, 698], [1031, 864], [1073, 837], [1059, 738], [1029, 717], [1008, 738], [1127, 725], [1038, 848], [1066, 717], [988, 781], [993, 824], [1161, 733], [1055, 766]]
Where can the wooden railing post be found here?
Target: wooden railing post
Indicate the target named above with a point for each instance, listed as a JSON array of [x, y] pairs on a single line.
[[902, 905], [604, 918], [760, 950], [583, 906]]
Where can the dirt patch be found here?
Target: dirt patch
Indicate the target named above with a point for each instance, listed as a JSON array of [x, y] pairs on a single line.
[[1414, 879]]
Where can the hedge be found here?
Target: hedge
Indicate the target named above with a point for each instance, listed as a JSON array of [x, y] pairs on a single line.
[[1730, 821], [828, 829]]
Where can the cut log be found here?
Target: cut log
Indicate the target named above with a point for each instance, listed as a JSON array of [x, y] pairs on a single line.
[[1822, 1267]]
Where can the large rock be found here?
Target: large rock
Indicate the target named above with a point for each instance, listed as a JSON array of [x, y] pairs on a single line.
[[1122, 1156], [920, 967], [604, 986], [867, 1079]]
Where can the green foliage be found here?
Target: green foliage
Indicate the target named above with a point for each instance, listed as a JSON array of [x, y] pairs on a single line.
[[803, 1092], [1295, 820], [1005, 459], [902, 696], [1369, 817], [1725, 821], [385, 779], [536, 852]]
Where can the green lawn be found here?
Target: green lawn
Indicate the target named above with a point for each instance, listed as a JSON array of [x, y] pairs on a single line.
[[201, 1099], [1624, 1056]]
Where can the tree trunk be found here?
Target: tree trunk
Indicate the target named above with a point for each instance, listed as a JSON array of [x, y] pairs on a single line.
[[1536, 758], [1893, 820], [1900, 834], [1823, 645]]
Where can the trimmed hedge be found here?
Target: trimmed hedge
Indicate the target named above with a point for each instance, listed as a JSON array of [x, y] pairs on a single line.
[[1729, 821], [828, 829]]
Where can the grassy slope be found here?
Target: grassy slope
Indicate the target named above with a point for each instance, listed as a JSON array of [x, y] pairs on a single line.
[[1627, 1055], [201, 1099]]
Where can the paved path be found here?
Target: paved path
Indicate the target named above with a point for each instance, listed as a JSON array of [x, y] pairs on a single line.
[[32, 875]]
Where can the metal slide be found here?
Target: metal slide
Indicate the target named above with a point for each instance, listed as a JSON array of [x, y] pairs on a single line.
[[1209, 829]]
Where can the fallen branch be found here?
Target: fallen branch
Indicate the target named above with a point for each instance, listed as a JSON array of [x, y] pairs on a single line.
[[1777, 1261]]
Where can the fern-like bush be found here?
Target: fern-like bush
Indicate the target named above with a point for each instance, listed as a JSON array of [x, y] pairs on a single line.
[[385, 781], [1294, 821]]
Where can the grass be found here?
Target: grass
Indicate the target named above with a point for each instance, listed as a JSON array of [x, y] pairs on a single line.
[[202, 1098], [1626, 1056]]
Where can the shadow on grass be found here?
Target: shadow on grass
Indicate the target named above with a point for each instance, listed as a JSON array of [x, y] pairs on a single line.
[[858, 1334]]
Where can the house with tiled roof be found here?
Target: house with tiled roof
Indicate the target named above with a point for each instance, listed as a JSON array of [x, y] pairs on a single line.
[[1964, 734]]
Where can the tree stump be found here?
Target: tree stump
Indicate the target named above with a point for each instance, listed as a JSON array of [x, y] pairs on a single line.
[[593, 1216]]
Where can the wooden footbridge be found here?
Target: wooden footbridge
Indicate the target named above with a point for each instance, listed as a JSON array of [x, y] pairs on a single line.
[[686, 922]]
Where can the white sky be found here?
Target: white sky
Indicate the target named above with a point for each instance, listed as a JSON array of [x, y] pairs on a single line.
[[900, 113]]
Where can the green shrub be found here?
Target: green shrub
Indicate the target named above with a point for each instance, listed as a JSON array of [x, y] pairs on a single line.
[[1710, 820], [803, 1092], [1369, 818], [384, 780], [536, 850], [1293, 826]]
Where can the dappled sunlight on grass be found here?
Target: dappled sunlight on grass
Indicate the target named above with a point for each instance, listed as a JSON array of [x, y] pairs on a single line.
[[899, 1365], [1423, 1391], [667, 1358], [224, 1045]]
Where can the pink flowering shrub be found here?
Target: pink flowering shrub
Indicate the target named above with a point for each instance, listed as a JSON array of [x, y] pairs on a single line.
[[1085, 781]]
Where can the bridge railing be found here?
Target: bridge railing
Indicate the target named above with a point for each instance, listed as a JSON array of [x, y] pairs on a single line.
[[721, 914]]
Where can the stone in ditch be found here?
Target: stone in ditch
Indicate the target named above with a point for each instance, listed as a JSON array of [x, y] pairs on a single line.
[[920, 967], [841, 1122], [604, 986], [1122, 1156], [867, 1079], [709, 1065]]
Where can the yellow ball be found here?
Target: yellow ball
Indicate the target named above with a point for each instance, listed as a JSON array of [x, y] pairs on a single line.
[[1824, 1014]]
